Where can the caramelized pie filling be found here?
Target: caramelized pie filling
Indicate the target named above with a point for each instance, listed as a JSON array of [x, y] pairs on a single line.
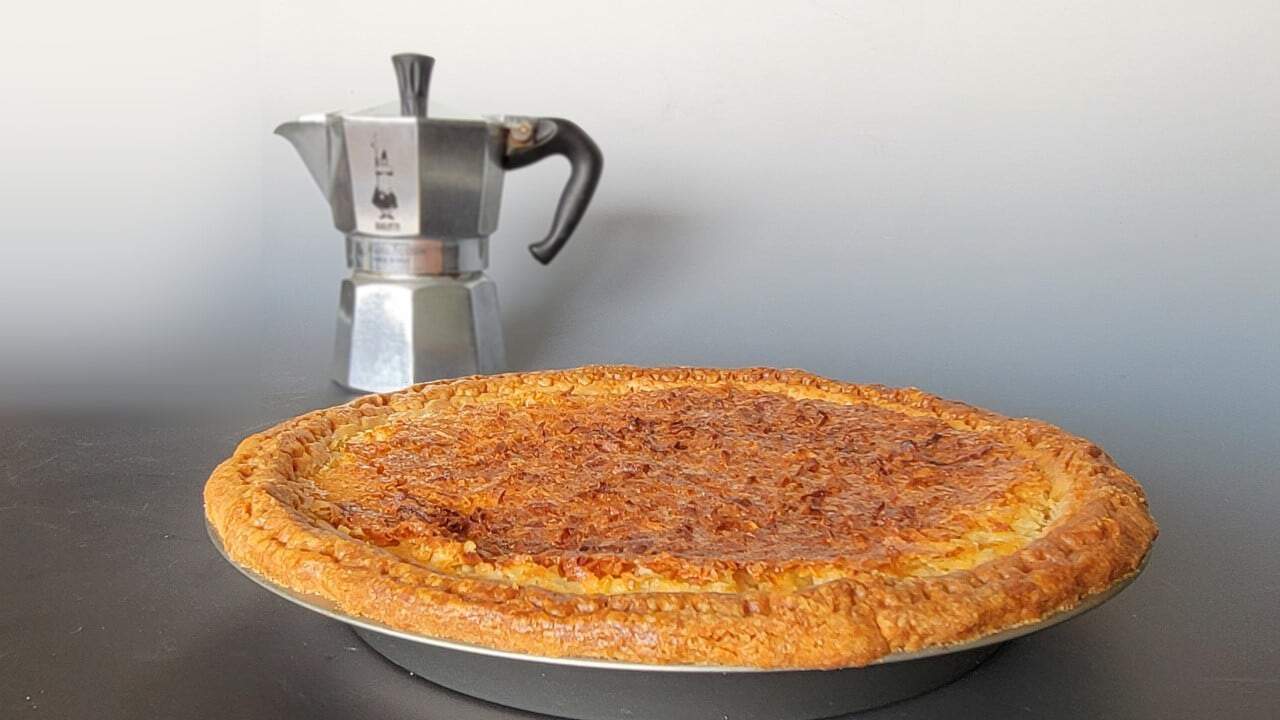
[[691, 488]]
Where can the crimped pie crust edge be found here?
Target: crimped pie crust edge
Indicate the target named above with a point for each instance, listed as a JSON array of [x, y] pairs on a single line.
[[253, 502]]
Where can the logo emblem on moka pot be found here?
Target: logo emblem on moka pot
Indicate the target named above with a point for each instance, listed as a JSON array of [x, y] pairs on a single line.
[[417, 199], [384, 195]]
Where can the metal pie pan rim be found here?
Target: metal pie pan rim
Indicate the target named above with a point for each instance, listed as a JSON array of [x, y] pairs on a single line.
[[326, 607]]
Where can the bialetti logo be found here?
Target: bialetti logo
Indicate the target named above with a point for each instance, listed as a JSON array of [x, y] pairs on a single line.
[[384, 197]]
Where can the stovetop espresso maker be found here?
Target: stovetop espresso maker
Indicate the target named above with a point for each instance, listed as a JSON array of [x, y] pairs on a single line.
[[417, 198]]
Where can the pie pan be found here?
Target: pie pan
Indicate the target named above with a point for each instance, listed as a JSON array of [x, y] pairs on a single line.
[[591, 689]]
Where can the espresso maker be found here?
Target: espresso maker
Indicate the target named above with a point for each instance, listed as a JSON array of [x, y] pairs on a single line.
[[417, 198]]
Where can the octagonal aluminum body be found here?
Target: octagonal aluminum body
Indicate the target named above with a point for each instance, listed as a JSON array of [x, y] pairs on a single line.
[[404, 177], [397, 332]]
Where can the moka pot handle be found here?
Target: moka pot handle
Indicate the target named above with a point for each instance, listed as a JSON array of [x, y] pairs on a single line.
[[529, 141]]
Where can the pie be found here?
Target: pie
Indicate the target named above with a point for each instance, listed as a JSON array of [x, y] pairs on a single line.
[[756, 517]]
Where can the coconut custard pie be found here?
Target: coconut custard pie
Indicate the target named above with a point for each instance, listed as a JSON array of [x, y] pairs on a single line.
[[757, 517]]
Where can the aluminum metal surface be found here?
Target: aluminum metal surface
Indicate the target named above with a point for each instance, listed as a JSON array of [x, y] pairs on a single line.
[[606, 693], [396, 176], [417, 197], [396, 331], [396, 258], [590, 688]]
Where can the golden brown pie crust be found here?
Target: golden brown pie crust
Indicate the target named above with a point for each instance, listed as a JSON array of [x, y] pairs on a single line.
[[755, 517]]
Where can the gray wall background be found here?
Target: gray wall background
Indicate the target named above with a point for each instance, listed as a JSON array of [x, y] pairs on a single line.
[[1014, 203]]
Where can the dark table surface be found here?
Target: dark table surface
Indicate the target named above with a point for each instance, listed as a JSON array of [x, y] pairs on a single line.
[[114, 604]]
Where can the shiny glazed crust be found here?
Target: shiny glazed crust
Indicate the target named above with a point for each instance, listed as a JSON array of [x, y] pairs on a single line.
[[1062, 523]]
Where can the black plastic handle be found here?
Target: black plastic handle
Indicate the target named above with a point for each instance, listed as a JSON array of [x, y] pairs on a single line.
[[413, 75], [557, 136]]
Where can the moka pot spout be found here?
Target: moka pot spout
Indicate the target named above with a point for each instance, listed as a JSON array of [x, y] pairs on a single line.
[[310, 137]]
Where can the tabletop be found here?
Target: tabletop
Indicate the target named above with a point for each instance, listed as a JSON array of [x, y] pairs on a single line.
[[116, 605]]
